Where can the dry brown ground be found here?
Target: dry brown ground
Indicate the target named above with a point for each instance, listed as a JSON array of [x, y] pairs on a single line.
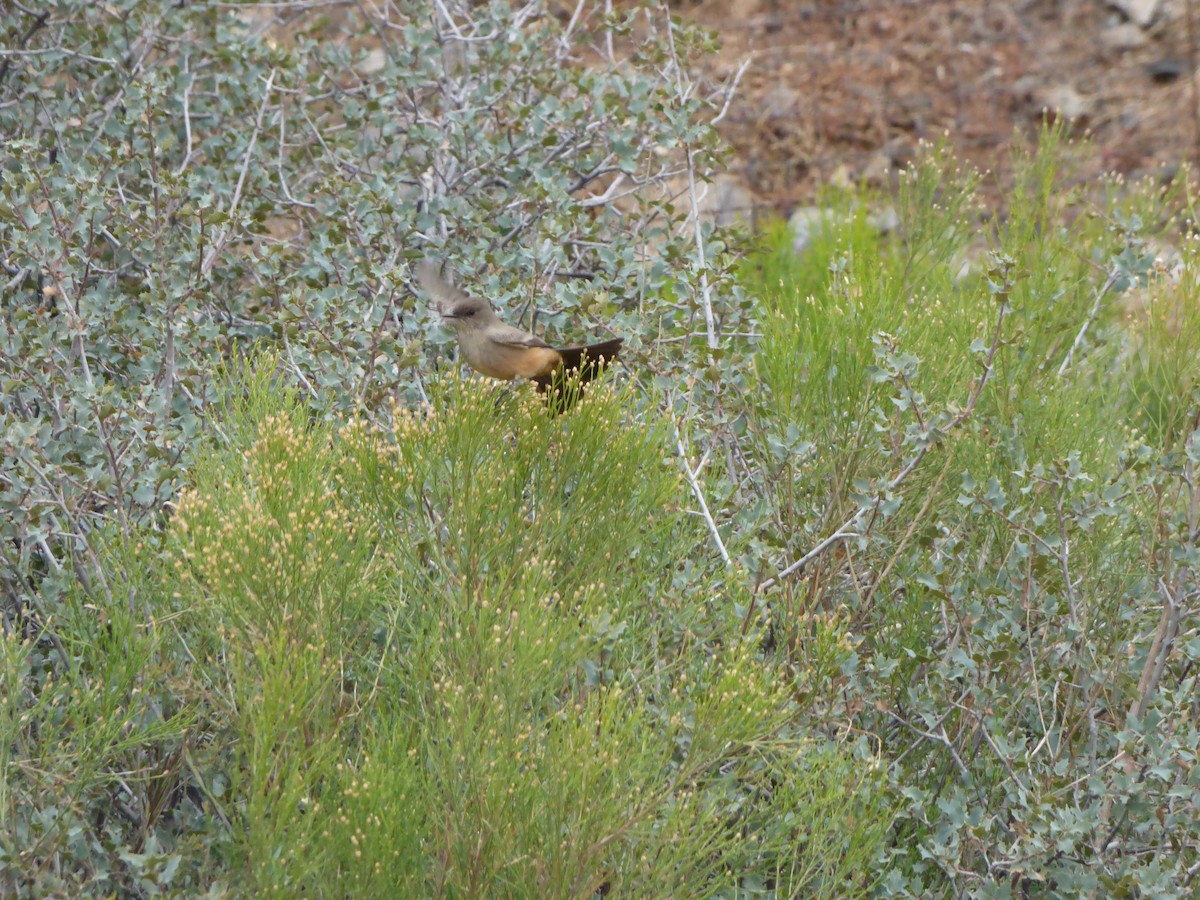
[[845, 89]]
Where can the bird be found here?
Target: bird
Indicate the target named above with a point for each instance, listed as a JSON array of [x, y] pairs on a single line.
[[499, 350]]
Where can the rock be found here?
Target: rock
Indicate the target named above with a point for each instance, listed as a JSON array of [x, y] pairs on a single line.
[[373, 62], [726, 201], [1122, 37], [840, 177], [1139, 12], [1067, 102], [808, 222], [780, 102], [1166, 70], [885, 220], [1172, 10], [878, 169]]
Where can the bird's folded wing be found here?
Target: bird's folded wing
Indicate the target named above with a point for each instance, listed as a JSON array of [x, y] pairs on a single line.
[[514, 337], [609, 349]]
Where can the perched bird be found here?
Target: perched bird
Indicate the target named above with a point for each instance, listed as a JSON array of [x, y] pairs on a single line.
[[501, 351]]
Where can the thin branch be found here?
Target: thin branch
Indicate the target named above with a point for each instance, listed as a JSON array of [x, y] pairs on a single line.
[[38, 22], [608, 33], [710, 319], [219, 244], [6, 55], [564, 41], [731, 89], [693, 480], [187, 114], [1160, 649], [279, 170], [1113, 275], [448, 19]]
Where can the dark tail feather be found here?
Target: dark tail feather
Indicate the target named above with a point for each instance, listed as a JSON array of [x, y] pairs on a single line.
[[588, 361], [592, 359]]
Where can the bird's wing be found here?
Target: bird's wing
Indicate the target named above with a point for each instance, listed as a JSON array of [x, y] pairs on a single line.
[[437, 287], [514, 337]]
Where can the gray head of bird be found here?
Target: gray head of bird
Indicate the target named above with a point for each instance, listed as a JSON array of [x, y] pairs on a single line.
[[467, 313], [458, 310]]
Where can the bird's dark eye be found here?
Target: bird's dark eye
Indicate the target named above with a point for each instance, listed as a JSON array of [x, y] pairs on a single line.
[[467, 312]]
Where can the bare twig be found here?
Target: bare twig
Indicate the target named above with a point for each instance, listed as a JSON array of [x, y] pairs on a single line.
[[731, 89], [6, 55], [223, 237], [694, 480], [1160, 650], [564, 41], [448, 19], [296, 370], [710, 319], [918, 519], [608, 35], [1113, 275], [283, 182], [187, 115], [38, 22]]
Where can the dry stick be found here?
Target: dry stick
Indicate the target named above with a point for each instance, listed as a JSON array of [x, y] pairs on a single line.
[[564, 41], [843, 531], [37, 23], [1064, 563], [912, 528], [696, 489], [1156, 660], [219, 243], [930, 736], [710, 319], [18, 275], [447, 18], [1113, 274], [296, 370], [187, 113], [608, 41], [980, 724], [1160, 649], [731, 90], [610, 195], [287, 192]]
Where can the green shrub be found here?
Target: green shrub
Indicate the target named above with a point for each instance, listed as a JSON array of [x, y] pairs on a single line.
[[1010, 549], [444, 659]]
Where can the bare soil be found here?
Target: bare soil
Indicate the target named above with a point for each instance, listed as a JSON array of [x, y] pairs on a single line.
[[844, 90]]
